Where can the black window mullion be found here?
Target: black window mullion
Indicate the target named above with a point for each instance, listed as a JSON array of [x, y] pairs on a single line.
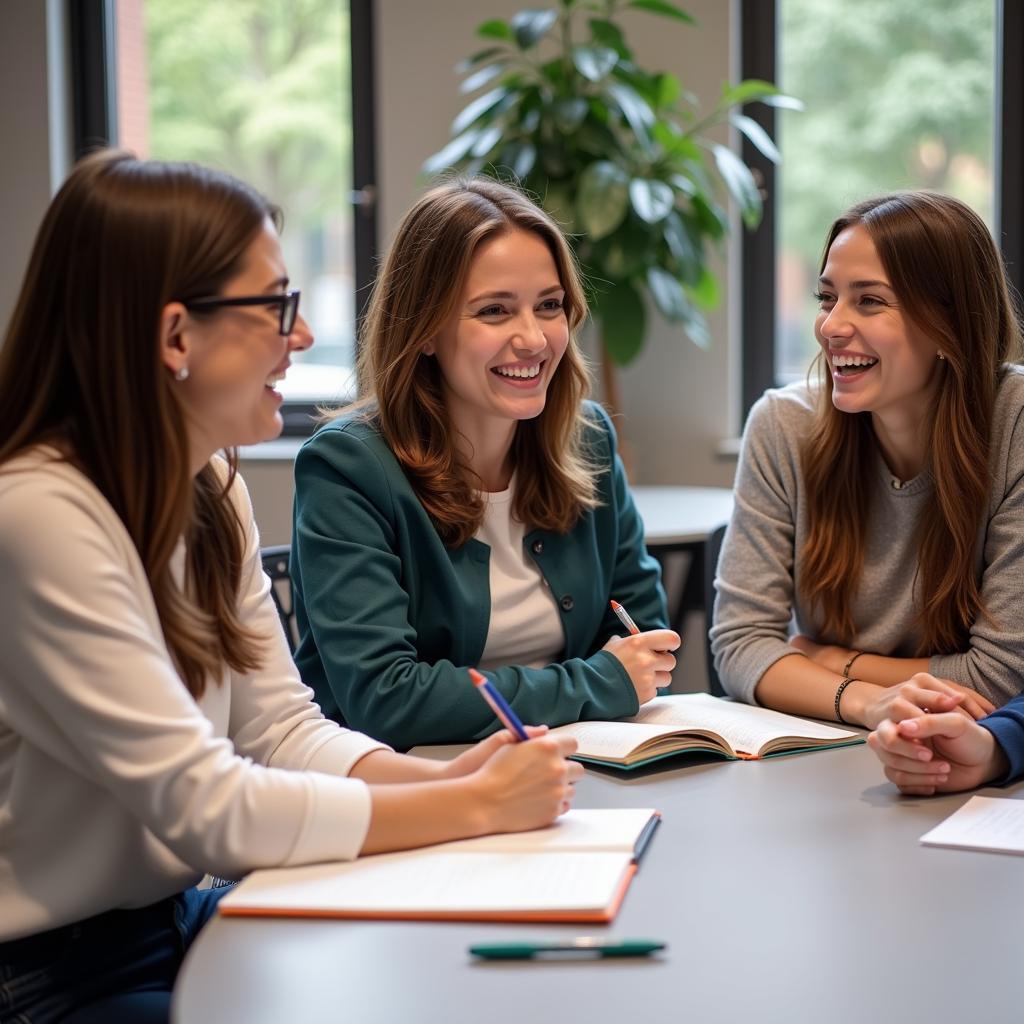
[[757, 262], [1009, 158]]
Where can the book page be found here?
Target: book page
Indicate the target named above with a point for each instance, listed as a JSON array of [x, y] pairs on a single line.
[[744, 727], [586, 829], [983, 823], [435, 880], [612, 739]]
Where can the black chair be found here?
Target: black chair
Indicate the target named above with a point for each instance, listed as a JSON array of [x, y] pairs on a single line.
[[275, 565], [712, 549]]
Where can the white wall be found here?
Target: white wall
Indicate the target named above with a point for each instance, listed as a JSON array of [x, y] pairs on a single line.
[[33, 129]]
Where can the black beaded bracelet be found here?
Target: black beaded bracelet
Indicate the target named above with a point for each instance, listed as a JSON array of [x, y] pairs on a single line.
[[854, 655], [839, 695]]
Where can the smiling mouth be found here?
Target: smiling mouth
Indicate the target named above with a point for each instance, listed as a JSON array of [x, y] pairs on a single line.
[[852, 366], [518, 372]]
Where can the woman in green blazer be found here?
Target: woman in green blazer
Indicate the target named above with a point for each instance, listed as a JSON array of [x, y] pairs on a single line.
[[471, 509]]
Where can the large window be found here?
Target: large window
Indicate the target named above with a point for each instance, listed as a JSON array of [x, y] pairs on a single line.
[[268, 92], [896, 96]]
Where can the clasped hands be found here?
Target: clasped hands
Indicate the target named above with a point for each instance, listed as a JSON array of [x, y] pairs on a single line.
[[925, 730]]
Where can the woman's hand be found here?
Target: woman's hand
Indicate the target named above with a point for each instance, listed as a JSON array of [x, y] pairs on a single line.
[[916, 697], [647, 659], [526, 785], [478, 755], [944, 753]]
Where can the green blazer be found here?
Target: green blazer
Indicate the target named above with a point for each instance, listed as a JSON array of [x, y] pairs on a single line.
[[390, 618]]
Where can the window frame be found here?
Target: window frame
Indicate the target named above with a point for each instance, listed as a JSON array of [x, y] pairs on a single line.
[[758, 59], [92, 33]]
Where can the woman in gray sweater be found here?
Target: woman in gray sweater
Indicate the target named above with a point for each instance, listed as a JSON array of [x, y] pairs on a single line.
[[875, 559]]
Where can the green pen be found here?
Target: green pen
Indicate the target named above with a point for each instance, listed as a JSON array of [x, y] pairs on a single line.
[[582, 947]]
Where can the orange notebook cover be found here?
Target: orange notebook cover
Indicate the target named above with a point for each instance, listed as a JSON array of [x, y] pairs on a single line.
[[577, 870]]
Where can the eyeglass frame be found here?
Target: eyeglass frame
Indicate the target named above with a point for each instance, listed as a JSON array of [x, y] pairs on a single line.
[[287, 302]]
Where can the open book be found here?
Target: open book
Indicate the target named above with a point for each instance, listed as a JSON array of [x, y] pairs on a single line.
[[691, 722], [577, 869]]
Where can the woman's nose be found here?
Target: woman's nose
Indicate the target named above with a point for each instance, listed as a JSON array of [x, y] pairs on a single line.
[[301, 337]]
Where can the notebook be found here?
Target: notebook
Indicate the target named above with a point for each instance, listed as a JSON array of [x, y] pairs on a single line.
[[983, 823], [698, 722], [577, 869]]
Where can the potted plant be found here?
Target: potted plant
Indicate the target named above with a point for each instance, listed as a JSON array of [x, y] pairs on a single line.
[[618, 154]]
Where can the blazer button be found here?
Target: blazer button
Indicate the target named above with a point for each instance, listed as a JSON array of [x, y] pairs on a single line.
[[537, 547], [567, 603]]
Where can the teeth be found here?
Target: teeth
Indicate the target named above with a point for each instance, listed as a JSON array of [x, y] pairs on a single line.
[[526, 372], [838, 361], [275, 379]]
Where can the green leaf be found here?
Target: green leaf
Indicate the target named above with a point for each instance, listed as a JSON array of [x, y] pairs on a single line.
[[569, 114], [481, 77], [520, 156], [496, 29], [594, 62], [478, 58], [623, 319], [450, 156], [684, 249], [669, 89], [747, 91], [740, 183], [652, 200], [607, 33], [711, 218], [530, 27], [663, 8], [783, 102], [481, 105], [603, 198], [667, 292], [705, 292], [635, 109], [696, 328], [757, 135], [488, 139]]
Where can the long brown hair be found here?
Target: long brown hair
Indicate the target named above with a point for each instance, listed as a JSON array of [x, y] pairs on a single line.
[[949, 278], [80, 368], [415, 296]]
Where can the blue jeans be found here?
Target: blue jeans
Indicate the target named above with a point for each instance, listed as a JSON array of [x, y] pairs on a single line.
[[118, 966]]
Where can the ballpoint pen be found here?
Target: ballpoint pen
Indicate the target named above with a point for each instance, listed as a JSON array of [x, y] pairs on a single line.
[[624, 618], [585, 947], [498, 704]]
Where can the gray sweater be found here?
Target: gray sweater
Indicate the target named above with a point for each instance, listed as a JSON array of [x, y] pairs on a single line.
[[756, 607]]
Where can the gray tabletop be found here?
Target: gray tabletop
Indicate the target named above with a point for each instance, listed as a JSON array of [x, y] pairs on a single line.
[[788, 889]]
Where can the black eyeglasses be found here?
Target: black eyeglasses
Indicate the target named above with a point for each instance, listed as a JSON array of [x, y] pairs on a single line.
[[287, 303]]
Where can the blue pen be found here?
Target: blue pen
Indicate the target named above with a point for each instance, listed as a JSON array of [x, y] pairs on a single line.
[[499, 705]]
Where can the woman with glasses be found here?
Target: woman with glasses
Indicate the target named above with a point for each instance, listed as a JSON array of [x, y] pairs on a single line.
[[152, 725], [881, 506], [471, 509]]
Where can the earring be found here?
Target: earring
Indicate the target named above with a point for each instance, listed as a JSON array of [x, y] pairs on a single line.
[[182, 374], [942, 357]]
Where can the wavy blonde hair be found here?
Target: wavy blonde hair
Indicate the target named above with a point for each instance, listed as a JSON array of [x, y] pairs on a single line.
[[948, 276], [80, 368], [414, 298]]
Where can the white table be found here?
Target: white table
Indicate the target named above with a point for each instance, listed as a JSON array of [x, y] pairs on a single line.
[[676, 516], [787, 890]]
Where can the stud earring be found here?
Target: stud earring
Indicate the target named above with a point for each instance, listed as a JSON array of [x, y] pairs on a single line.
[[182, 374], [942, 357]]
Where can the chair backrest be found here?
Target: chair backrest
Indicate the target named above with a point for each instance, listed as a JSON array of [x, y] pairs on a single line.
[[712, 549], [275, 565]]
